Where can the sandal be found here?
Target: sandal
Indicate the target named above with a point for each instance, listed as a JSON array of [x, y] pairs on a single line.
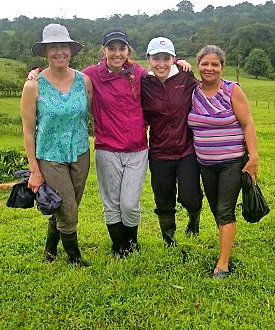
[[220, 274]]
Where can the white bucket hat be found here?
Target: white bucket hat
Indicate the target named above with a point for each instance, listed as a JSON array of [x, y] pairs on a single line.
[[160, 45], [55, 33]]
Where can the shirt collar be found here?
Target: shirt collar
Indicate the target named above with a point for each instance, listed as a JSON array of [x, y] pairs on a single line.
[[173, 71]]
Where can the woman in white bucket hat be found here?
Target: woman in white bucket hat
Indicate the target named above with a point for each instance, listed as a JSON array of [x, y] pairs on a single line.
[[55, 33], [55, 124]]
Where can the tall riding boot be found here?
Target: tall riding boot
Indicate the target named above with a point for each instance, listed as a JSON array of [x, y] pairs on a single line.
[[130, 236], [193, 227], [116, 233], [53, 238], [70, 245], [168, 227]]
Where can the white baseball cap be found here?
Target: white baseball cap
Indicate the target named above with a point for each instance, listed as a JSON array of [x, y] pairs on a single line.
[[160, 45]]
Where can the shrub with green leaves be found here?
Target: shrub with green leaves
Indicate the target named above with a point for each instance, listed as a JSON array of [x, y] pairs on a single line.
[[10, 88], [6, 120], [10, 162], [258, 63]]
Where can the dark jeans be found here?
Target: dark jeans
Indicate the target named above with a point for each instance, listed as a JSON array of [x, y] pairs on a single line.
[[222, 185], [168, 176]]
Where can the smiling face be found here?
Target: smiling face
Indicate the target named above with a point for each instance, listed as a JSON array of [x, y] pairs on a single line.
[[58, 54], [210, 68], [160, 64], [116, 53]]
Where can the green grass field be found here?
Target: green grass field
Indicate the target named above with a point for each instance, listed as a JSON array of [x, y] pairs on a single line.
[[151, 290], [11, 142]]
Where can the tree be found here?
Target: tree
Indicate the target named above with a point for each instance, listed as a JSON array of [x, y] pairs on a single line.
[[209, 10], [185, 6], [248, 37], [258, 63], [237, 29]]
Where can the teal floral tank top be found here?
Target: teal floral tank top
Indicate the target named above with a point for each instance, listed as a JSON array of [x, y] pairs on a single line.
[[62, 121]]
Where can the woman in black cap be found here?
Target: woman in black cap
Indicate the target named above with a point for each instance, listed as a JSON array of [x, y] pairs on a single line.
[[120, 139]]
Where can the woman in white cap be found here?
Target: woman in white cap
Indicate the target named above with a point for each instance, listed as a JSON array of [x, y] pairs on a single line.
[[166, 100], [55, 125]]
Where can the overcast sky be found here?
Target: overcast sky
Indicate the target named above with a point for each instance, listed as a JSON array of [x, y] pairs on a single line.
[[92, 9]]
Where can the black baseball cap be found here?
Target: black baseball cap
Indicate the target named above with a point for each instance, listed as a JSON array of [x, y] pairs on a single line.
[[115, 35]]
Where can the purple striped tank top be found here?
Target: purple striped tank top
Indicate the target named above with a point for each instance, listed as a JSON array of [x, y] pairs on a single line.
[[218, 136]]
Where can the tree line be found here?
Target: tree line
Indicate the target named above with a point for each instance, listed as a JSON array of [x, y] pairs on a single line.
[[240, 30]]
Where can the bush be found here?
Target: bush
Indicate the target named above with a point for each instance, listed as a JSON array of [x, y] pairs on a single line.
[[6, 120], [258, 63], [10, 125], [8, 88], [10, 162]]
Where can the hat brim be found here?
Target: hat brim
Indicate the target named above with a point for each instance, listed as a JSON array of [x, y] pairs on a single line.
[[156, 51], [116, 39], [38, 49]]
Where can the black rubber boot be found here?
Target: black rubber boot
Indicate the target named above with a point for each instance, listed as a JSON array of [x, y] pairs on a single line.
[[193, 226], [70, 245], [168, 227], [116, 232], [130, 239], [53, 238]]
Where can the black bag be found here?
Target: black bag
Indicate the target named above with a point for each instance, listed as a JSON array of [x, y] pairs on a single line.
[[254, 205], [21, 196], [48, 201]]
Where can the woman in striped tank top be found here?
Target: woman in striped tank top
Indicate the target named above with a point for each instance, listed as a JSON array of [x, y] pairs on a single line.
[[223, 127]]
